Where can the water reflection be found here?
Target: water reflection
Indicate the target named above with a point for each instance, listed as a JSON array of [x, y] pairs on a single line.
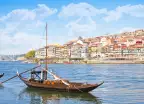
[[48, 97], [1, 85]]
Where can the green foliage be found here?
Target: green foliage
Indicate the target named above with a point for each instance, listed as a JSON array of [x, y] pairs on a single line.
[[36, 60], [30, 54]]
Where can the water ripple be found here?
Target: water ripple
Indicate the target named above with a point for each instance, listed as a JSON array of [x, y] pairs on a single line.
[[124, 84]]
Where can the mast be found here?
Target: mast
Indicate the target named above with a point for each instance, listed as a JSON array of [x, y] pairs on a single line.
[[46, 49], [46, 66]]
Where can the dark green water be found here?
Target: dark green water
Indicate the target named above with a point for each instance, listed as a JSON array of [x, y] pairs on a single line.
[[124, 84]]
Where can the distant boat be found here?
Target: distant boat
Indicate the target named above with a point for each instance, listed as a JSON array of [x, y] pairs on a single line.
[[24, 62], [66, 62], [14, 60], [39, 80], [1, 75]]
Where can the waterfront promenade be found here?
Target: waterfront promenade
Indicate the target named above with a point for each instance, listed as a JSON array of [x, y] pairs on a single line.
[[106, 60]]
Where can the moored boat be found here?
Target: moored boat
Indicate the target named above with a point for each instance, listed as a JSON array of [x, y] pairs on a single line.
[[1, 75], [66, 62], [59, 85], [39, 80]]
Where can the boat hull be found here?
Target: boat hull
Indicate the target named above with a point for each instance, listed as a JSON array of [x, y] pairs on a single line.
[[56, 86], [63, 90]]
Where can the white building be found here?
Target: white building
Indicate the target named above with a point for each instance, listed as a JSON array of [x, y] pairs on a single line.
[[41, 53], [79, 49]]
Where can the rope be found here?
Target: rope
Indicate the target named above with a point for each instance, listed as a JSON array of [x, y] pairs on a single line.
[[68, 83], [42, 38], [67, 88], [78, 89]]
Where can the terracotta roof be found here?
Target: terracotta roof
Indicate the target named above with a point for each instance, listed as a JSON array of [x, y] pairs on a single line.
[[135, 46], [94, 44], [78, 44], [123, 46], [116, 46], [123, 40], [139, 42], [138, 46]]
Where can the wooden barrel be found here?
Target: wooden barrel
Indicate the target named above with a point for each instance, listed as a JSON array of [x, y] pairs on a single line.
[[52, 83], [48, 82], [44, 82]]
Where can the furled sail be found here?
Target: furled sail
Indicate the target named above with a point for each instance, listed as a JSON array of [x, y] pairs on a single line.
[[58, 78]]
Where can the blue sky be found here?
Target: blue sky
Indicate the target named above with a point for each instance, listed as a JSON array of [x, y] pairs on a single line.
[[22, 22]]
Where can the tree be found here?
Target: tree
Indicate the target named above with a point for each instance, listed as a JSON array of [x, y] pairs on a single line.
[[30, 54]]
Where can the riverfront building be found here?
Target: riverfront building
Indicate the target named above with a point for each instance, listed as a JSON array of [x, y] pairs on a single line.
[[127, 45]]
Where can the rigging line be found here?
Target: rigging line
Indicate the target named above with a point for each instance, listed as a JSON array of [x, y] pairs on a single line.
[[66, 83], [78, 89], [38, 76], [42, 38]]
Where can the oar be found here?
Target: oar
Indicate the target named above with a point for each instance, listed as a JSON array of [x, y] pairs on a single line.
[[19, 73]]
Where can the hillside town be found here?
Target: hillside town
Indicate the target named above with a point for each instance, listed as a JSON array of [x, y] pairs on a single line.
[[126, 46]]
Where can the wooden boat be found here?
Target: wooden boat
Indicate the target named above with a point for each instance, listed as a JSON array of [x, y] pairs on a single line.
[[39, 80], [1, 75], [58, 85], [66, 62]]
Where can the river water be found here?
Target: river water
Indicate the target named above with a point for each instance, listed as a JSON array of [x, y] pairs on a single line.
[[124, 84]]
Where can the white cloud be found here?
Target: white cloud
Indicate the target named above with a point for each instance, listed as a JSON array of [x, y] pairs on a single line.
[[19, 14], [16, 40], [9, 28], [39, 23], [81, 9], [40, 12], [124, 29], [132, 10], [19, 43], [128, 29], [83, 26], [85, 9], [20, 29], [43, 11]]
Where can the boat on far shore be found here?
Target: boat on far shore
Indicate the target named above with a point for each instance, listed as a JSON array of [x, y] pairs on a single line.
[[27, 61], [66, 62]]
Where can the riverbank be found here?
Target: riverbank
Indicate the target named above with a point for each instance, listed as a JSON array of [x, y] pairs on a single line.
[[91, 62], [116, 62]]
